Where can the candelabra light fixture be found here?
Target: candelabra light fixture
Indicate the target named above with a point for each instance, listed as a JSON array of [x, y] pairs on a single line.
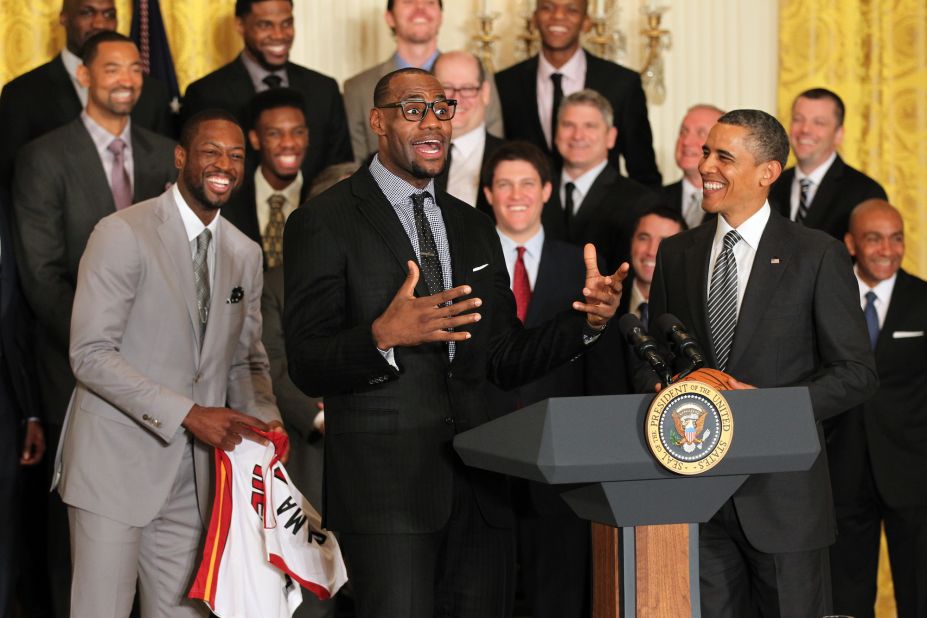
[[485, 40], [655, 40], [604, 40], [529, 37]]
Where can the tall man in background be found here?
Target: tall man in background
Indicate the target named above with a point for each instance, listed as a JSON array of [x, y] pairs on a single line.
[[685, 195]]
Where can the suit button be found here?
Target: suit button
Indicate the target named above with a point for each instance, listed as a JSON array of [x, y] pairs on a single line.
[[146, 418], [196, 379], [448, 420], [157, 423]]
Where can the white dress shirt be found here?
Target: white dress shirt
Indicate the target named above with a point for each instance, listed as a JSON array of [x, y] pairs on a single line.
[[71, 62], [637, 297], [690, 208], [583, 184], [194, 227], [463, 179], [574, 80], [263, 191], [883, 291], [815, 177], [532, 258], [751, 231]]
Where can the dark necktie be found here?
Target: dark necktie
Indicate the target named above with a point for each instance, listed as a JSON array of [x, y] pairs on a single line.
[[521, 286], [642, 311], [568, 206], [557, 79], [272, 239], [119, 178], [273, 81], [201, 279], [872, 318], [722, 300], [803, 202], [428, 252]]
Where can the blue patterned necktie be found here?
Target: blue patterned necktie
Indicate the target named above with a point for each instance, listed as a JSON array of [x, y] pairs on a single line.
[[872, 318]]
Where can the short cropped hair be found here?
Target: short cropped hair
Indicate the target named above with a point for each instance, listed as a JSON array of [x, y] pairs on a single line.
[[89, 51], [274, 98], [823, 93], [193, 123], [768, 140], [243, 7], [381, 92], [516, 151], [664, 212], [589, 97]]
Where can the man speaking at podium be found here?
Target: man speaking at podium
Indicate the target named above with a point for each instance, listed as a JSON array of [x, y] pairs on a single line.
[[773, 304]]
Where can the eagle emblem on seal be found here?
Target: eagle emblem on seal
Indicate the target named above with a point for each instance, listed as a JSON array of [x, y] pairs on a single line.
[[689, 421]]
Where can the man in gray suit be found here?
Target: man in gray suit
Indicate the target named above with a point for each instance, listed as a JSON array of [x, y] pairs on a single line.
[[415, 26], [65, 182], [165, 334]]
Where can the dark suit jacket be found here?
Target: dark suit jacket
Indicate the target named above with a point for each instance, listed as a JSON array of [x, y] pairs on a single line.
[[601, 371], [44, 99], [672, 194], [842, 188], [799, 324], [605, 218], [389, 461], [622, 87], [241, 210], [230, 88], [60, 193], [492, 145], [888, 425]]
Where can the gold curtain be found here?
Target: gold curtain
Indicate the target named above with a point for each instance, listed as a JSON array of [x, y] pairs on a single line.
[[873, 53], [201, 34]]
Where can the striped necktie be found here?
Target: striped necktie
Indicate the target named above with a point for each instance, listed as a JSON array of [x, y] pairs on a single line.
[[722, 300], [803, 202]]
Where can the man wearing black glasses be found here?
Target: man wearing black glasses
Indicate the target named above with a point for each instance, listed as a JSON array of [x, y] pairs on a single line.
[[398, 310]]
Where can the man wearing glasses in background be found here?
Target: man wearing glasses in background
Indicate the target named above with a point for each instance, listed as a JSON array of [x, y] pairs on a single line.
[[398, 310], [464, 79]]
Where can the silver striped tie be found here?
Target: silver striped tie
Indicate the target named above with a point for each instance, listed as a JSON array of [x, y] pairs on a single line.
[[722, 300], [201, 279]]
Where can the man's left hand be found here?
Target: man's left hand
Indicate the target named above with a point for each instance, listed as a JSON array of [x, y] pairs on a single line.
[[602, 293], [33, 444], [277, 427]]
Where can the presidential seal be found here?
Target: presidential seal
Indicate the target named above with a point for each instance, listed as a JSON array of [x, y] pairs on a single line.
[[689, 427]]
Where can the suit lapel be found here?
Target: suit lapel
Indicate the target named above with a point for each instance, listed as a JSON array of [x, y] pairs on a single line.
[[543, 282], [173, 236], [595, 200], [222, 283], [821, 204], [86, 158], [69, 103], [374, 207], [696, 282], [529, 86], [144, 183], [897, 305], [771, 260]]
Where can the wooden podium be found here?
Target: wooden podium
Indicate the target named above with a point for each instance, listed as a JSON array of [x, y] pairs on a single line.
[[594, 449]]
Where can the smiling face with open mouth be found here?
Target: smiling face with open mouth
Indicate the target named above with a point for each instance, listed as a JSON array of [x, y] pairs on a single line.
[[268, 32], [282, 137], [415, 21], [416, 151], [560, 23], [517, 196], [212, 168]]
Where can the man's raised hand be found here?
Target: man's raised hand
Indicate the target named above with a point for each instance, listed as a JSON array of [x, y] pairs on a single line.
[[410, 321], [602, 293]]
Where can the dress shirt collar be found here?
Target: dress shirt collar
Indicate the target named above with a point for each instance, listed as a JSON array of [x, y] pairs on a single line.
[[688, 189], [402, 63], [533, 247], [637, 297], [471, 143], [71, 62], [573, 71], [751, 230], [818, 174], [263, 190], [883, 291], [583, 184], [191, 223], [258, 73], [396, 190], [102, 138]]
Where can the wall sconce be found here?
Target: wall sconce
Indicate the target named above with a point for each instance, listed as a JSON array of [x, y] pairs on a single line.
[[655, 41]]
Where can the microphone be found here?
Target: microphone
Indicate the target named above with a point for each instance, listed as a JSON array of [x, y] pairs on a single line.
[[644, 345], [683, 343]]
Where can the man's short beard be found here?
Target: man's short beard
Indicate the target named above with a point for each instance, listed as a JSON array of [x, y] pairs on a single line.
[[420, 172], [261, 60]]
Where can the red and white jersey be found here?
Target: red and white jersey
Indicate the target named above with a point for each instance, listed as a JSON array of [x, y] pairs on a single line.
[[263, 536]]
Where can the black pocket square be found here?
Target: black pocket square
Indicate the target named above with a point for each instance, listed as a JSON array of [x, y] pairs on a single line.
[[237, 294]]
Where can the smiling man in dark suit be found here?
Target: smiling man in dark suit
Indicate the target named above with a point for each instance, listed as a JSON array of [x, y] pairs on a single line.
[[65, 182], [878, 459], [403, 371], [773, 304], [685, 195], [51, 95], [267, 28], [530, 90], [821, 190], [592, 202]]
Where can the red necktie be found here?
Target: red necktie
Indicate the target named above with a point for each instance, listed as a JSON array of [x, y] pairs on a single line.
[[521, 287]]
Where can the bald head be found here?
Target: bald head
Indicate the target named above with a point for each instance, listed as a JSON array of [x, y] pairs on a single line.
[[463, 78], [84, 18], [876, 240]]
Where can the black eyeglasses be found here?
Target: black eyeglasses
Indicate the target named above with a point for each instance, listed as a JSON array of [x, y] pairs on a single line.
[[415, 110]]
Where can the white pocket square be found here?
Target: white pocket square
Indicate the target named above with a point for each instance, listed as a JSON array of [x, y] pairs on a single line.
[[478, 268], [907, 334]]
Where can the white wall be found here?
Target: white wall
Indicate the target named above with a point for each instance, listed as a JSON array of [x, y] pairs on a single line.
[[723, 52]]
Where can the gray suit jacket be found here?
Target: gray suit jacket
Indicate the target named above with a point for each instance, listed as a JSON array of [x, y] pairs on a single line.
[[139, 368], [358, 99], [60, 191]]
